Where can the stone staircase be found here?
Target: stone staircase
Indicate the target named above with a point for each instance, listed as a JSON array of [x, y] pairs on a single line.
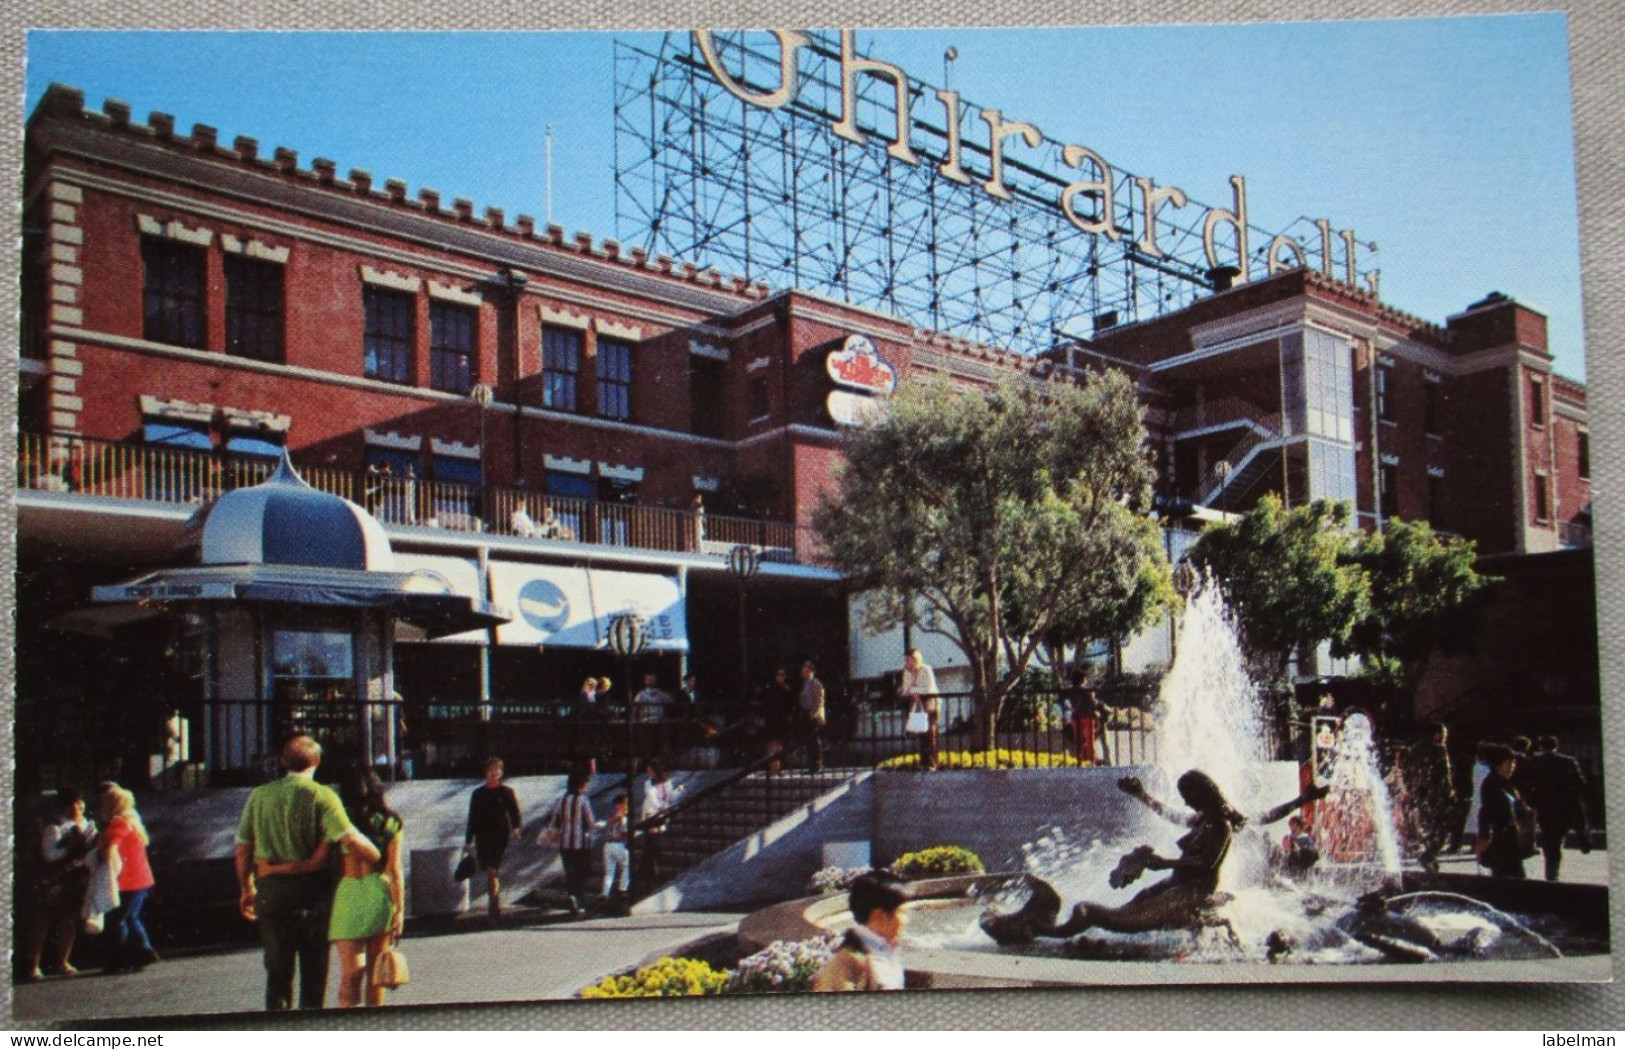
[[743, 808]]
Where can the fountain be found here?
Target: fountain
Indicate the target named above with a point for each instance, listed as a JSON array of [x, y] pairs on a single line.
[[1351, 910]]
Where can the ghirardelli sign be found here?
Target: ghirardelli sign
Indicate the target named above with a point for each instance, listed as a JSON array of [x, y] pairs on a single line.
[[857, 365], [1089, 202]]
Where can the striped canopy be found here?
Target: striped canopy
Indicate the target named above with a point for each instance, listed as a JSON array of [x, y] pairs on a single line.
[[287, 522]]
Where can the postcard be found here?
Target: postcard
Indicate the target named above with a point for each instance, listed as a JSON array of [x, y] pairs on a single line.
[[535, 516]]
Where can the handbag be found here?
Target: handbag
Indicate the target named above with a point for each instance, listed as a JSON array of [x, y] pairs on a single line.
[[390, 970], [465, 868], [101, 896], [918, 722]]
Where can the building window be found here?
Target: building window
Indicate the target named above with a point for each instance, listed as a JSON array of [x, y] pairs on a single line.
[[705, 378], [561, 360], [390, 332], [1543, 498], [1435, 500], [172, 300], [760, 407], [614, 379], [451, 347], [1537, 401], [253, 308], [1388, 482], [1584, 453], [1430, 408], [312, 666], [1385, 399]]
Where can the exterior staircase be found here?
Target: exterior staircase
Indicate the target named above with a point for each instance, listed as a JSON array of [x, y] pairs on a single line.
[[701, 830]]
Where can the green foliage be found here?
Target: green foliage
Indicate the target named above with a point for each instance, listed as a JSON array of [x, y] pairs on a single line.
[[985, 759], [937, 862], [1008, 512], [1288, 575], [1423, 587], [667, 978]]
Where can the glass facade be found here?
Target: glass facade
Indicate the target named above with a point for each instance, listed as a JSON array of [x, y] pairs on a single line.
[[1317, 409]]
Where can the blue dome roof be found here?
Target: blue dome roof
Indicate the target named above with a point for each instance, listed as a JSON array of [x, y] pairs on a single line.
[[287, 522]]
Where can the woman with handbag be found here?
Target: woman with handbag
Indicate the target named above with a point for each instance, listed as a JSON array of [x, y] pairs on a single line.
[[128, 946], [66, 842], [368, 905], [919, 687], [1500, 846], [493, 821]]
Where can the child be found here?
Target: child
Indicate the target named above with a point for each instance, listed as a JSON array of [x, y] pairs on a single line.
[[617, 863], [1298, 849], [868, 958]]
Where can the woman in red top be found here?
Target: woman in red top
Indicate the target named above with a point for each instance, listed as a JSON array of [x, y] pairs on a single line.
[[126, 937]]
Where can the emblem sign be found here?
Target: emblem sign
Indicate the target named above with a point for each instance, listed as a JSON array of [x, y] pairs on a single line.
[[858, 366]]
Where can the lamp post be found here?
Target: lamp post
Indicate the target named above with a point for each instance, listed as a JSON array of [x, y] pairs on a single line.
[[743, 562], [482, 395], [628, 634]]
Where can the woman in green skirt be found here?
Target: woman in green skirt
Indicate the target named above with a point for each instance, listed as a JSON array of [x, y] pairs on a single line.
[[367, 905]]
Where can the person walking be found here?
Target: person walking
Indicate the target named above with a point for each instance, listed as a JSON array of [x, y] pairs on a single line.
[[493, 822], [1499, 846], [571, 829], [813, 714], [919, 688], [658, 795], [1083, 716], [617, 860], [1432, 788], [285, 821], [369, 905], [1560, 805], [128, 945], [65, 843]]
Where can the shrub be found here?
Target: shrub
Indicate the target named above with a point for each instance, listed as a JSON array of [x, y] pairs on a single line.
[[784, 966], [986, 759], [835, 879], [667, 978], [937, 862]]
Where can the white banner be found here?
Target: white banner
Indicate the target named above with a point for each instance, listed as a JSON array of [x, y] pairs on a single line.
[[559, 606], [460, 574]]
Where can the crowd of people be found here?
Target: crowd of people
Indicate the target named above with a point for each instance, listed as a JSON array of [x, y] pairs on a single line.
[[1527, 797]]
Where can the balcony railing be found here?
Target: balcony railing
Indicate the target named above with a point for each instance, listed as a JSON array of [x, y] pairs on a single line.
[[148, 473], [1227, 411]]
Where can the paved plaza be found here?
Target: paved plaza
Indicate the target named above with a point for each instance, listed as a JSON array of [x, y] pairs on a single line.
[[541, 956]]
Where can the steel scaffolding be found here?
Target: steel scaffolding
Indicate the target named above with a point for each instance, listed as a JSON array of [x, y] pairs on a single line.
[[776, 196]]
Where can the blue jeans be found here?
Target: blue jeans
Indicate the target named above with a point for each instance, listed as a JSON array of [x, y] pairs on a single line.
[[125, 935], [616, 862]]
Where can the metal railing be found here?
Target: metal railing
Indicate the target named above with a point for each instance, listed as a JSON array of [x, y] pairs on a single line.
[[1265, 430], [1222, 412], [150, 473], [233, 742]]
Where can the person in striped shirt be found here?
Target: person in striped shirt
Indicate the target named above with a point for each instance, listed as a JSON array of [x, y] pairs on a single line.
[[572, 825]]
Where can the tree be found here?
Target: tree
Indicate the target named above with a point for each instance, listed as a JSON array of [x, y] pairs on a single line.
[[1422, 587], [1289, 577], [1006, 512]]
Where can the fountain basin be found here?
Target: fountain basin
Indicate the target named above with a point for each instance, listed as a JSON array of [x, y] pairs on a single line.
[[1583, 907]]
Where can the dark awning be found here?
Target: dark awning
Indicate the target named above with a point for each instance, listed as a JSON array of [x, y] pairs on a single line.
[[419, 598]]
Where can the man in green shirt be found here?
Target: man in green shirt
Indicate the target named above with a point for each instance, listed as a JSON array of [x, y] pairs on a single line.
[[287, 821]]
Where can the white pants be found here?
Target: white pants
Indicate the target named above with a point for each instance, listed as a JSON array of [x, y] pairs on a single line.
[[616, 862]]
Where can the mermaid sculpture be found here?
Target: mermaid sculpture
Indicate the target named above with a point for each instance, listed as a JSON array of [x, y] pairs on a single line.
[[1186, 899]]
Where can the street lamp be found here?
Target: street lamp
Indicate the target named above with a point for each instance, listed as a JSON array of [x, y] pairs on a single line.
[[482, 395], [628, 634], [743, 562]]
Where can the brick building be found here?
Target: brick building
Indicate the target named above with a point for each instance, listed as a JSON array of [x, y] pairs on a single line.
[[516, 405]]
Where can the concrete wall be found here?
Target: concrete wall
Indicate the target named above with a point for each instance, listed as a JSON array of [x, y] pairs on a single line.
[[193, 839]]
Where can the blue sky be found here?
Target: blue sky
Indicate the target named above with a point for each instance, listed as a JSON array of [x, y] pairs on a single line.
[[1447, 141]]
